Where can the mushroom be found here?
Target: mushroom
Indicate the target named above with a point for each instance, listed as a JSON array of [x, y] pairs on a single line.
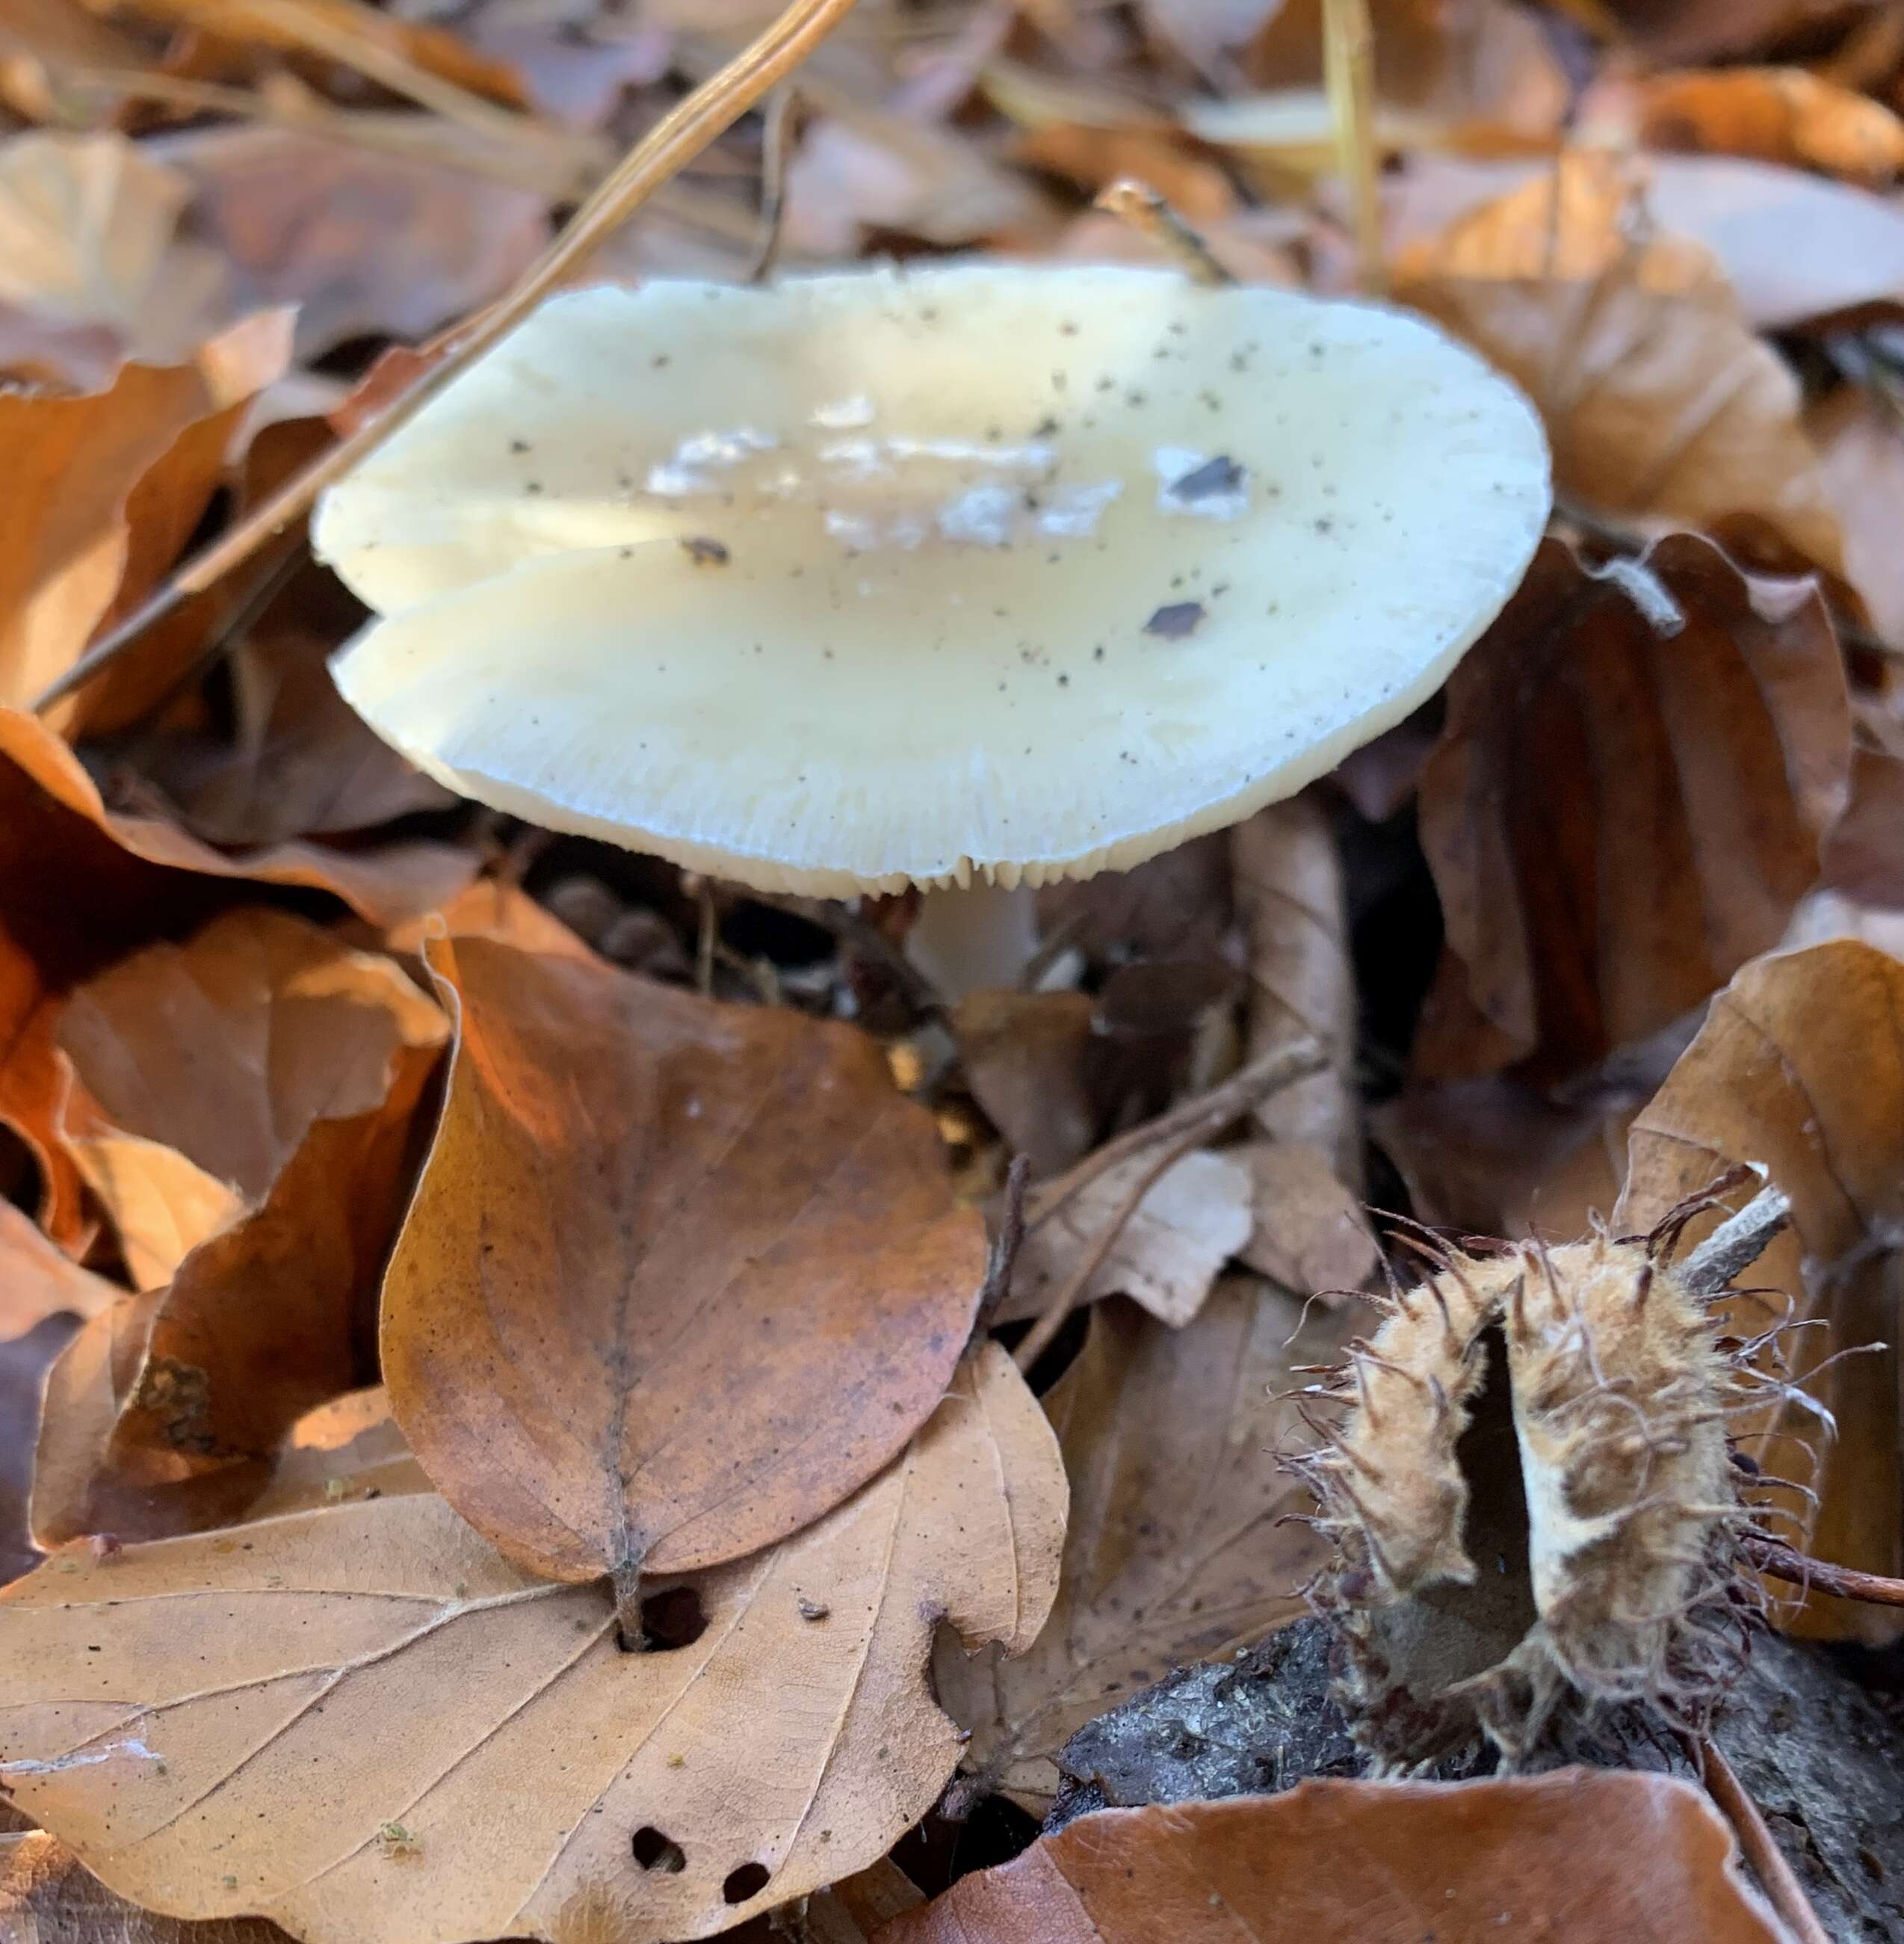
[[970, 578]]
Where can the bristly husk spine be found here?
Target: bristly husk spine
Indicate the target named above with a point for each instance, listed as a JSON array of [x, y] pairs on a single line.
[[1622, 1393]]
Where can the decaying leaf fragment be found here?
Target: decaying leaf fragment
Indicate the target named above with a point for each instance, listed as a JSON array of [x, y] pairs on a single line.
[[1639, 766], [1580, 1856], [1586, 1384], [48, 1896], [678, 1276], [540, 1773]]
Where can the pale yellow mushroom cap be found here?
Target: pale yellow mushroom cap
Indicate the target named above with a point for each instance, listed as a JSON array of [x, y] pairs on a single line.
[[980, 572]]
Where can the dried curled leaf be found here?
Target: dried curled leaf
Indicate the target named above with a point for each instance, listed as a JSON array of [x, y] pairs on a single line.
[[788, 1742], [678, 1276], [1775, 114], [1580, 1856], [48, 1896], [293, 1066], [1799, 1068], [1639, 766]]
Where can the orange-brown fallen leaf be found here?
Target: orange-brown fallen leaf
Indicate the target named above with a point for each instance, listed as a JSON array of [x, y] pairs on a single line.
[[1639, 767], [143, 877], [378, 1668], [264, 1060], [1662, 406], [1800, 1069], [1173, 1553], [1580, 1856], [678, 1277], [1308, 1232], [1860, 443], [102, 489], [1773, 114], [1033, 1061]]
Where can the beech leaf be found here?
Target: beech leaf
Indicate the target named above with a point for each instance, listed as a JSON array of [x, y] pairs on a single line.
[[1639, 769], [1580, 1856], [235, 1723], [679, 1275], [1799, 1068]]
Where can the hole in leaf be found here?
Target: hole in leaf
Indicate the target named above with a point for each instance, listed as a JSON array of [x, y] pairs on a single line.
[[654, 1851], [748, 1881], [672, 1619]]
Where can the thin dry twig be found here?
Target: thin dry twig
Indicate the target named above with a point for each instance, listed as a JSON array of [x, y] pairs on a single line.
[[668, 147], [1783, 1891], [1038, 1339], [1349, 73], [1797, 1569], [1003, 1254], [1140, 205], [777, 140], [1208, 1114], [1737, 1243]]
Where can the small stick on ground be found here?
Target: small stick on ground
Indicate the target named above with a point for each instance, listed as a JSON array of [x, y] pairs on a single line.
[[1783, 1890], [668, 148], [1141, 206], [1773, 1556], [1003, 1253], [1349, 72], [1208, 1112]]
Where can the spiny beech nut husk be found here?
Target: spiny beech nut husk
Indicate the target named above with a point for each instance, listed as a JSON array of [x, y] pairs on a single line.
[[1533, 1498]]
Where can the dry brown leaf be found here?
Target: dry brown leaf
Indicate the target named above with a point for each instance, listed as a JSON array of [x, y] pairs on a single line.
[[211, 1061], [1793, 246], [491, 908], [144, 877], [1191, 1219], [1800, 1069], [101, 490], [1662, 406], [48, 1896], [541, 1775], [1580, 1856], [678, 1277], [349, 1448], [301, 762], [1308, 1232], [91, 271], [1175, 906], [1174, 1552], [1639, 765], [292, 1068], [363, 243], [1773, 114], [1289, 902], [1860, 445], [1493, 1157], [1030, 1060]]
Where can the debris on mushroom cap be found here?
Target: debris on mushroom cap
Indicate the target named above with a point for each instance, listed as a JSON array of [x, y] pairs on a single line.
[[951, 506]]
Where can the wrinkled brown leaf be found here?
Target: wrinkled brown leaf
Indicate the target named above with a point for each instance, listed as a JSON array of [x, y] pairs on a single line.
[[37, 1281], [1661, 404], [678, 1276], [290, 1068], [1800, 1069], [1639, 767], [1173, 1553], [1580, 1856], [1860, 443], [783, 1749], [493, 908], [1289, 898]]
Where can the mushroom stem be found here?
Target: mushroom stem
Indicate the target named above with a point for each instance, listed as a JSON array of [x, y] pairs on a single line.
[[975, 935]]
